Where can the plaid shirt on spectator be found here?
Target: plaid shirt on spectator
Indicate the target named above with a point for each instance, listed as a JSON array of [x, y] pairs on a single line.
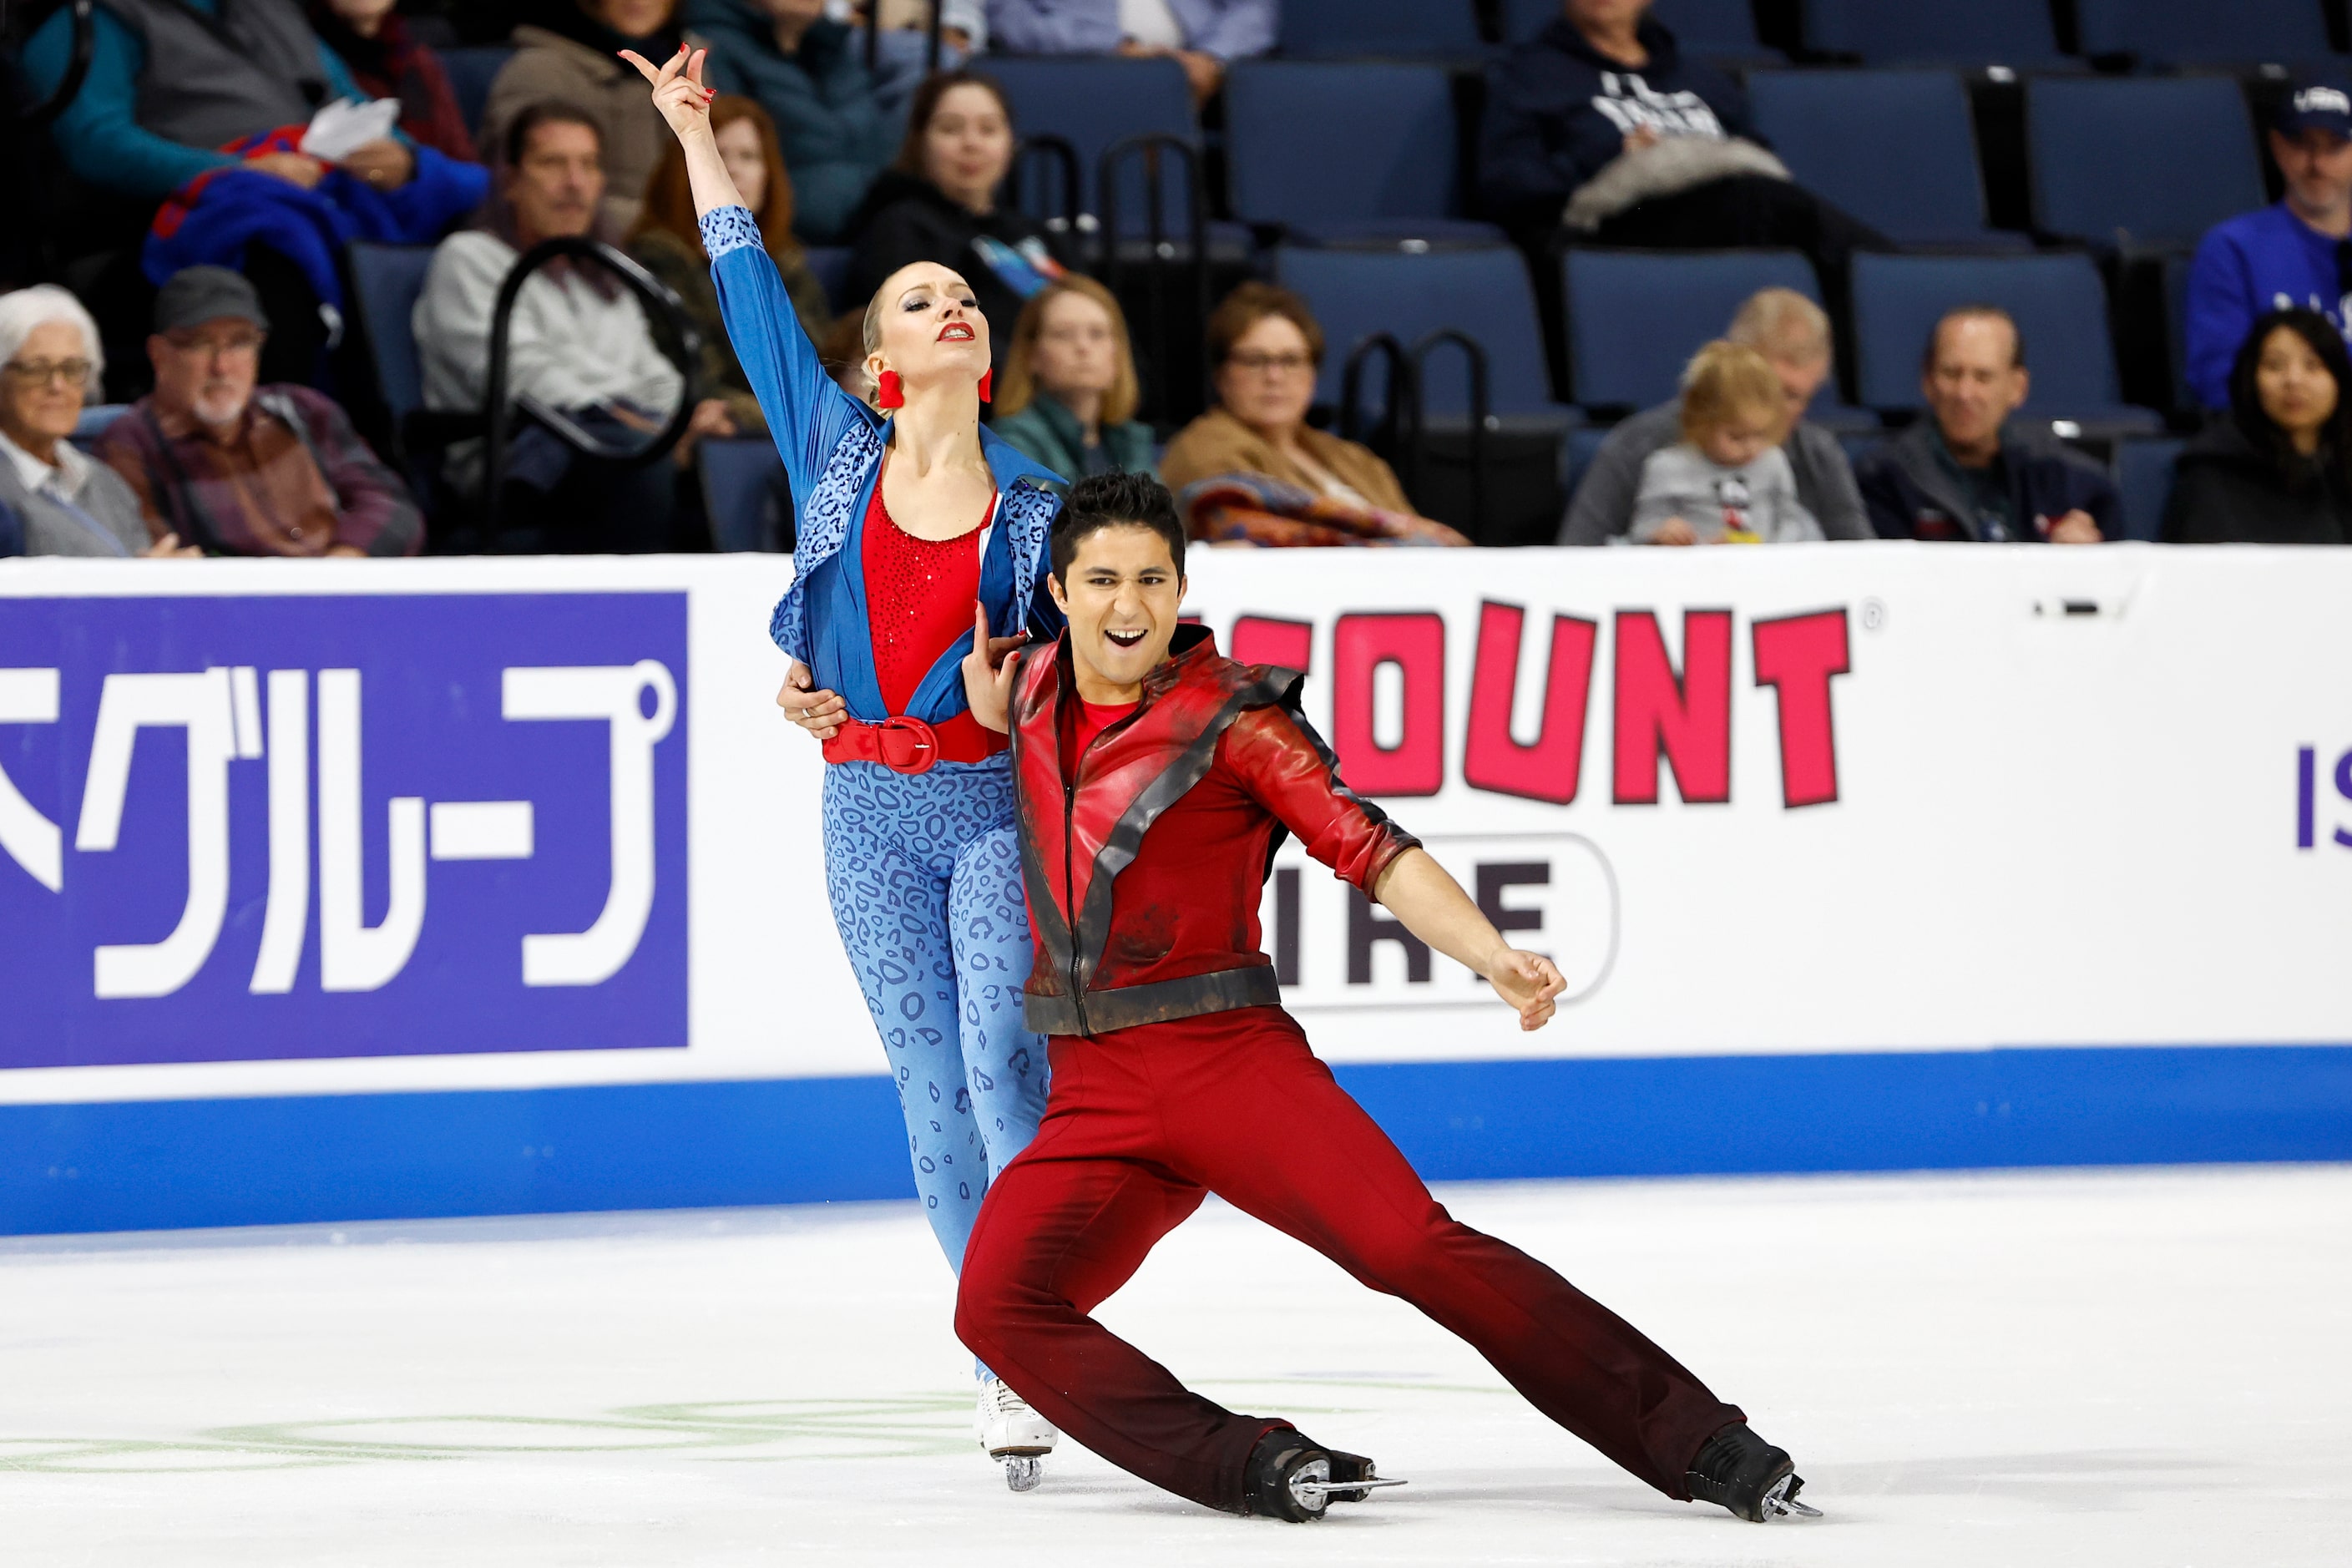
[[290, 477]]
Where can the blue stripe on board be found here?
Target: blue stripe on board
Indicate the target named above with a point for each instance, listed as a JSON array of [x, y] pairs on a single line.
[[156, 1164]]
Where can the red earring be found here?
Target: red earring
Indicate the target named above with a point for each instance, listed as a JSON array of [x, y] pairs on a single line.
[[987, 379], [889, 392]]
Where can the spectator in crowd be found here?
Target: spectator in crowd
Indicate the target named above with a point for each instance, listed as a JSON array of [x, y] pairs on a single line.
[[1792, 333], [1599, 123], [1962, 471], [171, 81], [1201, 35], [808, 71], [938, 203], [387, 61], [240, 469], [1069, 392], [1266, 347], [578, 342], [902, 55], [1726, 481], [2278, 470], [573, 56], [2298, 253], [53, 500], [667, 244]]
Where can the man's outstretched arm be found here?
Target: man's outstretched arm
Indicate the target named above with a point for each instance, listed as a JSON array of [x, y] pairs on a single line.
[[1418, 891]]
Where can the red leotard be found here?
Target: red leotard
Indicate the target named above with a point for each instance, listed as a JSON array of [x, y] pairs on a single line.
[[918, 599]]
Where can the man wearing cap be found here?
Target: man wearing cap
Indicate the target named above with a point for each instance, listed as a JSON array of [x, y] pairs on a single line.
[[2296, 253], [241, 469]]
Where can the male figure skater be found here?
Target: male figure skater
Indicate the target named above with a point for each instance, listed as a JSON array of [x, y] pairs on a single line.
[[1154, 780]]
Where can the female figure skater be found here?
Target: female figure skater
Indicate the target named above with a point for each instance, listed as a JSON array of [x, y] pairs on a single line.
[[908, 524]]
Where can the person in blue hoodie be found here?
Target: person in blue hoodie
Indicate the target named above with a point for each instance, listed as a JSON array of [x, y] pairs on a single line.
[[2296, 254], [915, 523], [1602, 123]]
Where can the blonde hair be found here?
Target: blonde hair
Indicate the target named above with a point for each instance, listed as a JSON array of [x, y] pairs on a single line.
[[1020, 388], [1782, 324], [1723, 379]]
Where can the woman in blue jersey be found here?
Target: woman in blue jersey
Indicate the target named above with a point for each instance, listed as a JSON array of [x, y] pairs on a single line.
[[905, 521]]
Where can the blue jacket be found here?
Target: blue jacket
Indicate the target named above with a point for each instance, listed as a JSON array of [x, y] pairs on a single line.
[[1557, 112], [836, 133], [832, 445], [1229, 29], [100, 136], [2246, 265]]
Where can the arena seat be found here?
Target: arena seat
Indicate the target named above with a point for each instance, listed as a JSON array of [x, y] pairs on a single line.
[[2144, 480], [745, 494], [1302, 154], [1712, 29], [1895, 148], [1484, 292], [1092, 103], [471, 72], [1380, 29], [1974, 33], [2140, 162], [2058, 301], [1635, 317], [385, 283], [2203, 32], [831, 263]]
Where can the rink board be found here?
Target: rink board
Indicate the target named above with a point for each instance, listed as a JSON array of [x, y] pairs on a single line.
[[383, 889]]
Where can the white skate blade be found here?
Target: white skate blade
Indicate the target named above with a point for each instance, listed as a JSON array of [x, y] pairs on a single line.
[[1345, 1489], [1778, 1504], [1023, 1473]]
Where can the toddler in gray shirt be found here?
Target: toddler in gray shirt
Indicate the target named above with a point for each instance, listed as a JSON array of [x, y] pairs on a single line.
[[1726, 481]]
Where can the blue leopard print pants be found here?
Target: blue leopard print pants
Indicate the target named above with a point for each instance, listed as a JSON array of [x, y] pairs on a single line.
[[924, 873]]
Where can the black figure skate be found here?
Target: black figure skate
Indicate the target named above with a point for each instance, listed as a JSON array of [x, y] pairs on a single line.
[[1748, 1476], [1291, 1477]]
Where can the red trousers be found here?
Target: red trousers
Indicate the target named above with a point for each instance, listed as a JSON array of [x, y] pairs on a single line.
[[1141, 1124]]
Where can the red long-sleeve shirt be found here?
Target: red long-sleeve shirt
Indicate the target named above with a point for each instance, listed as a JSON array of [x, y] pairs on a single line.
[[1144, 864]]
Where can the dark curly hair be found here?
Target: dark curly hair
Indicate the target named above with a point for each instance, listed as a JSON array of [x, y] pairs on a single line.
[[1115, 501], [2334, 458]]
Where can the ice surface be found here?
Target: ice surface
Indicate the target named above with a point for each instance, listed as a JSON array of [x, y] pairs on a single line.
[[2140, 1369]]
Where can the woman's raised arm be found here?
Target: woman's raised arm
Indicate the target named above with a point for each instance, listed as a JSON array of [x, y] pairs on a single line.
[[807, 413]]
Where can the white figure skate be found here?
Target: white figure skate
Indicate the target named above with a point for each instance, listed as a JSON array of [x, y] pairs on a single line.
[[1014, 1434]]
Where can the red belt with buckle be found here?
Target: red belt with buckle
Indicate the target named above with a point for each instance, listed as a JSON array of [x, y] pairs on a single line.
[[910, 746]]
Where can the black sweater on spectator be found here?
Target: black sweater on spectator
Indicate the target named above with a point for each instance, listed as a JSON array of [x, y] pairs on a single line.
[[1557, 110], [906, 219], [2227, 490]]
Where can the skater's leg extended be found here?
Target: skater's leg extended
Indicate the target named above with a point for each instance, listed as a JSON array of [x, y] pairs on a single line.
[[1259, 1121], [1004, 1064], [1063, 1226], [891, 905]]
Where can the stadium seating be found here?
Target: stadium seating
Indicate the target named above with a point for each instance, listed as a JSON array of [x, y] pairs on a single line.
[[1094, 103], [1635, 317], [2144, 480], [471, 72], [745, 494], [2189, 32], [1484, 292], [1302, 153], [1381, 29], [2140, 162], [2058, 301], [385, 283], [1714, 29], [1895, 148], [2016, 33]]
